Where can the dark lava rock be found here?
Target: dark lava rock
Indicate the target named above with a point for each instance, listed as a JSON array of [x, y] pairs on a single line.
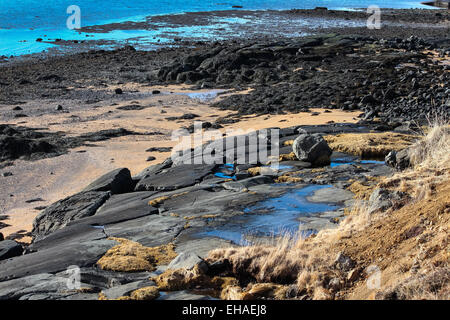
[[17, 108], [59, 108], [159, 149], [344, 262], [131, 107], [118, 91], [28, 143], [151, 158], [59, 214], [247, 183], [34, 200], [14, 147], [382, 199], [188, 116], [1, 237], [181, 176], [156, 92], [116, 181], [312, 148], [399, 160], [7, 174], [9, 249], [55, 259]]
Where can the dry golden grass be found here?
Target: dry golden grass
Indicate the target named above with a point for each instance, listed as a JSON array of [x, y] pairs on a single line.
[[363, 190], [147, 293], [157, 201], [130, 256], [288, 157], [369, 145], [182, 279], [254, 171], [288, 179]]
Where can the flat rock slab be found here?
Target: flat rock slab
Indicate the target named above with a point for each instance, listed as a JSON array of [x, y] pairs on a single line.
[[175, 178], [36, 287], [331, 195], [151, 231], [199, 246], [206, 203], [116, 181], [9, 249], [124, 206], [185, 260], [105, 279], [183, 295], [59, 214], [247, 183], [126, 289], [55, 259]]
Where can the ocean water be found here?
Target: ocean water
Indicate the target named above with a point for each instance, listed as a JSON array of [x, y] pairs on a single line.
[[23, 21]]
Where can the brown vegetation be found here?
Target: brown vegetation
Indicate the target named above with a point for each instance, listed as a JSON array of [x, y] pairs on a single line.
[[130, 256], [369, 145]]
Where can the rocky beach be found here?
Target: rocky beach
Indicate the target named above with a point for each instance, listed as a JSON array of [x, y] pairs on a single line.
[[330, 151]]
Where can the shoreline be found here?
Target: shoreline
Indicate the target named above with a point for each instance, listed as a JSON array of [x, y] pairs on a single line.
[[166, 27]]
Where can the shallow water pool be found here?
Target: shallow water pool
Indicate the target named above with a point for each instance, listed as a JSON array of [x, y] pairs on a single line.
[[272, 217]]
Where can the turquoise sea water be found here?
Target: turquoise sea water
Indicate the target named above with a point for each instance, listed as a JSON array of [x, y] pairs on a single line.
[[23, 21]]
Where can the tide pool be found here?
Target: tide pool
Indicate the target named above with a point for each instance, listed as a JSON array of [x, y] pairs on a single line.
[[272, 217]]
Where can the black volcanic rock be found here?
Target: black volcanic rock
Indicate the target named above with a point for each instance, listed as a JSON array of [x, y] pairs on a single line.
[[116, 181], [9, 249]]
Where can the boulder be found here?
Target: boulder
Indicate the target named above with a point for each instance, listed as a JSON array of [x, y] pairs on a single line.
[[344, 262], [399, 160], [382, 199], [60, 213], [187, 260], [9, 249], [1, 237], [116, 181], [312, 148]]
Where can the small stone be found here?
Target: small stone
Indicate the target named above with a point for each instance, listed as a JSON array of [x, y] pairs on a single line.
[[7, 174], [344, 262], [156, 92], [151, 158], [59, 108], [118, 91], [353, 275], [335, 284]]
